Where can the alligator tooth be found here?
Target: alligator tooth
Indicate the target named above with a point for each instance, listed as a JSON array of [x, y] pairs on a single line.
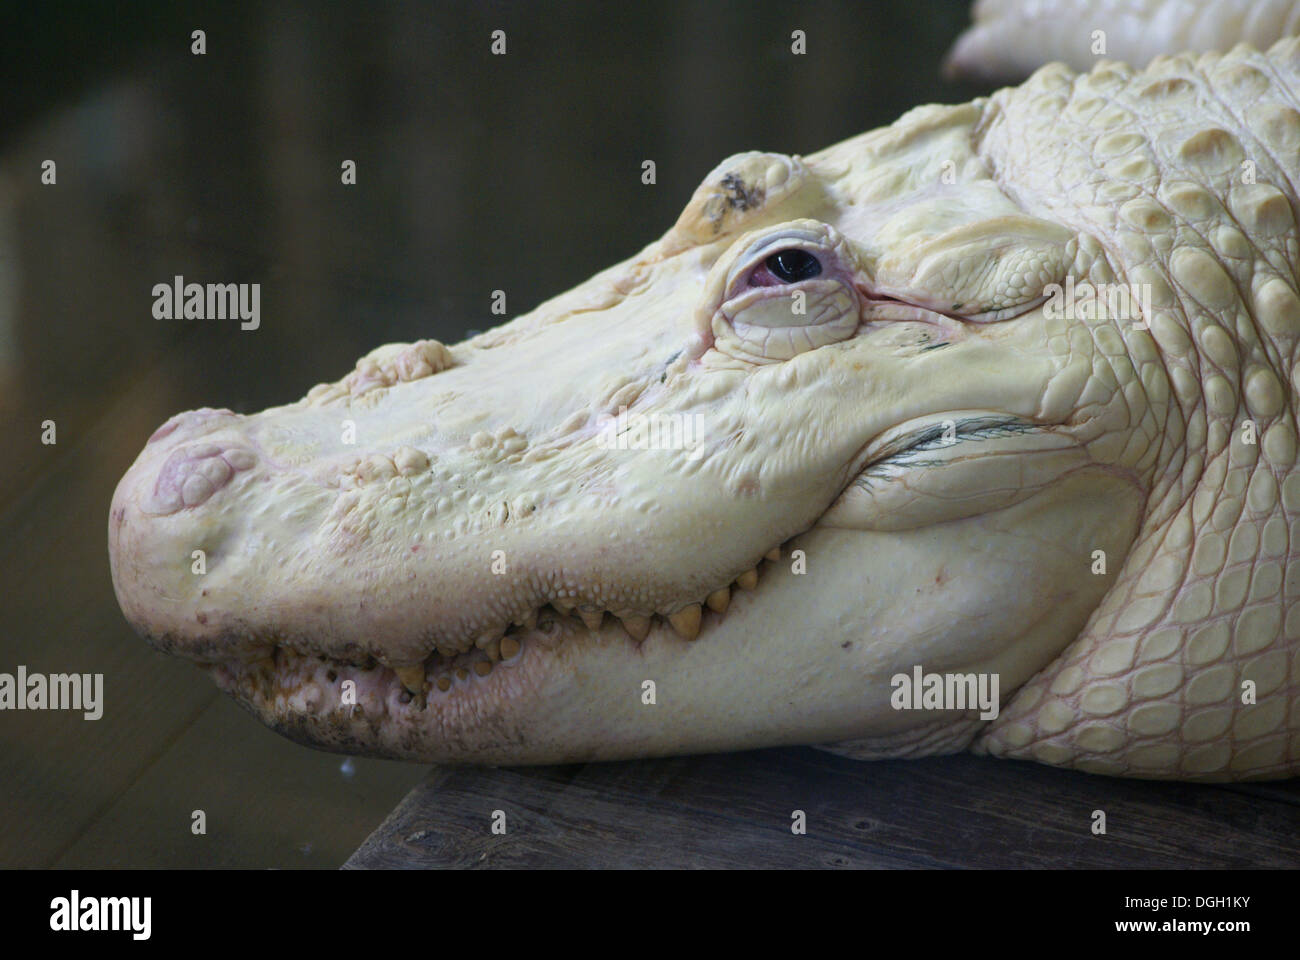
[[412, 677], [686, 621], [488, 637], [444, 683], [591, 617], [719, 599], [529, 620], [509, 648], [461, 673], [482, 668], [637, 627], [564, 606], [774, 554]]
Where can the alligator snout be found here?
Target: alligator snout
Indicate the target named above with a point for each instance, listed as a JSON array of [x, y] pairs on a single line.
[[176, 527]]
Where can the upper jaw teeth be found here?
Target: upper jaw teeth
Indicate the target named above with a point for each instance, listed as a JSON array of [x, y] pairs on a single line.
[[412, 677], [686, 621], [498, 643], [636, 625]]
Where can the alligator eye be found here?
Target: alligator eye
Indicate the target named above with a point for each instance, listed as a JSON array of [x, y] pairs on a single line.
[[791, 266]]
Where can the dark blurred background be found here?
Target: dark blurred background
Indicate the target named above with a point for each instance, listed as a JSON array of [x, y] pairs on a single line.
[[474, 172]]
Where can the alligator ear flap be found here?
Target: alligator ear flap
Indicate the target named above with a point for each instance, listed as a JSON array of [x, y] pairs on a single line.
[[745, 191], [983, 271]]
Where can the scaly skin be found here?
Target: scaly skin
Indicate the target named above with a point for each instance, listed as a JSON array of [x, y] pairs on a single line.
[[477, 490], [1009, 39]]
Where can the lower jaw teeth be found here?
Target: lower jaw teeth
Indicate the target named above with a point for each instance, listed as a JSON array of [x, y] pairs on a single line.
[[413, 678]]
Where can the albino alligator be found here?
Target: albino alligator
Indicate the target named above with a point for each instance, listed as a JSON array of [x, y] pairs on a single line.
[[905, 438]]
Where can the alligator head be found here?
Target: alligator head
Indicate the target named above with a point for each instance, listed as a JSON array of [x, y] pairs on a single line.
[[832, 427]]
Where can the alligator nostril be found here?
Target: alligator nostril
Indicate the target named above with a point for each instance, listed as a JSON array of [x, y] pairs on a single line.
[[191, 475]]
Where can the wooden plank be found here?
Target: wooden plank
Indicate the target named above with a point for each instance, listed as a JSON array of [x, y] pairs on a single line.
[[1283, 791], [734, 810]]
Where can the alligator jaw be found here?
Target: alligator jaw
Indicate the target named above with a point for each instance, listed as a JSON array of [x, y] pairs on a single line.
[[456, 700]]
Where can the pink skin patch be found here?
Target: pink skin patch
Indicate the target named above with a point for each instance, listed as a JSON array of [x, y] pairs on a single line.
[[191, 475], [763, 277], [191, 420]]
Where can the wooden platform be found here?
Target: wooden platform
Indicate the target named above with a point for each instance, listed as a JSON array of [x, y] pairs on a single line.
[[735, 810]]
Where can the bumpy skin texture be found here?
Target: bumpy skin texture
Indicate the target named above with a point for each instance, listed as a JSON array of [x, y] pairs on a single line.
[[499, 584], [1151, 164], [1009, 39]]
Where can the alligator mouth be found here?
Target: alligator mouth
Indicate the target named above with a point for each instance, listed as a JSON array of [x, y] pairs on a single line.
[[283, 669], [289, 677]]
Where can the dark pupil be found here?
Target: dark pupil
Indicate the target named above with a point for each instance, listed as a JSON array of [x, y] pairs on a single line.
[[791, 266]]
